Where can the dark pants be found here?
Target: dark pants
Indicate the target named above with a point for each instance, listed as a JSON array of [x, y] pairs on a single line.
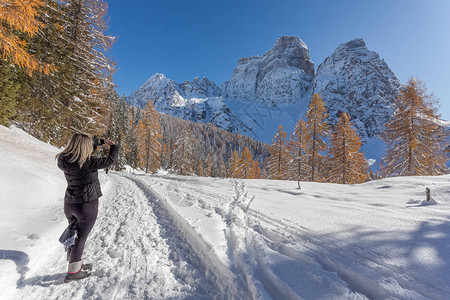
[[85, 214]]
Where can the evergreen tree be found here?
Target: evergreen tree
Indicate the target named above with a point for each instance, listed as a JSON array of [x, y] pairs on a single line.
[[317, 130], [414, 139], [149, 139], [277, 163], [347, 164], [9, 87]]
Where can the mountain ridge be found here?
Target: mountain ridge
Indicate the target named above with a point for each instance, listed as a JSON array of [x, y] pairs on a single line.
[[265, 91]]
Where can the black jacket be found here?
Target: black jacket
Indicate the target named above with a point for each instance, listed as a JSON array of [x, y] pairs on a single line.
[[82, 184]]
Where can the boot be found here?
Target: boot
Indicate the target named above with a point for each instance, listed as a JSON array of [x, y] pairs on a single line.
[[76, 271], [76, 276], [86, 267]]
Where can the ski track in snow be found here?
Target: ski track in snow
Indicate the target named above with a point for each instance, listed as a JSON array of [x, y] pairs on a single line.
[[137, 253], [256, 240]]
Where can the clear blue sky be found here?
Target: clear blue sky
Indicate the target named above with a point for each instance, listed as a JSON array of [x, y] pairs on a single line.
[[183, 39]]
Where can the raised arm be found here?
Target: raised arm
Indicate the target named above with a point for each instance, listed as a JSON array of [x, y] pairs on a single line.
[[104, 162]]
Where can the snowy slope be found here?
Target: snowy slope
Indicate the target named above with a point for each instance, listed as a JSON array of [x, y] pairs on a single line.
[[376, 240], [162, 236]]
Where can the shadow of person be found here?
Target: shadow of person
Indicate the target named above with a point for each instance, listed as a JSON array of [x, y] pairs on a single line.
[[44, 280], [20, 258]]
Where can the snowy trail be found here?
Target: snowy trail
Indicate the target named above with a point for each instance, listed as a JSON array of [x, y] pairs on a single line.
[[136, 251]]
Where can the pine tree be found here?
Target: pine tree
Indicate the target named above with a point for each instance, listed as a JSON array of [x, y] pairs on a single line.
[[414, 139], [18, 18], [278, 161], [9, 87], [298, 149], [149, 139], [88, 43], [347, 164], [317, 130]]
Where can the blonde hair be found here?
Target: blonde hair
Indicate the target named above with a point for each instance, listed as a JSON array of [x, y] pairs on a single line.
[[79, 149]]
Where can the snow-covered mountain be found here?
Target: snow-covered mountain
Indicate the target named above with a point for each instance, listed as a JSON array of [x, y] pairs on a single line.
[[282, 75], [275, 88], [198, 101], [356, 80]]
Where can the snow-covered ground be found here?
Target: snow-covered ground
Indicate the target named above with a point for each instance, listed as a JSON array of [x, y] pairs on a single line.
[[173, 237]]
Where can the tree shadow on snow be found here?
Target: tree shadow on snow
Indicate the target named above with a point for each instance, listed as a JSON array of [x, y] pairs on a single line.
[[363, 259]]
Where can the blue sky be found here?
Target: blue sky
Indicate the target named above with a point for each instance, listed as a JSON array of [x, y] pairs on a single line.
[[183, 39]]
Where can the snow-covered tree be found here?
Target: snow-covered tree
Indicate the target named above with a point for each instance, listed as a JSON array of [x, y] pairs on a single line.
[[346, 163], [208, 165], [149, 139], [317, 130], [278, 161], [131, 147], [183, 154], [414, 139]]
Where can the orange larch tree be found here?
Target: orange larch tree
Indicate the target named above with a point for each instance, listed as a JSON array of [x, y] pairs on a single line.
[[19, 16], [317, 130], [245, 163], [346, 163], [414, 137], [298, 150], [149, 139], [234, 170], [278, 161]]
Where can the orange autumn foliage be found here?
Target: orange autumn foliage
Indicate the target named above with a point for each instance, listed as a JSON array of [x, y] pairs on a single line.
[[19, 15]]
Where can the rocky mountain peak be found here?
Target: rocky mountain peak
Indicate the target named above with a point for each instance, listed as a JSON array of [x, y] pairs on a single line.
[[356, 80], [202, 88], [282, 75], [356, 43], [293, 51]]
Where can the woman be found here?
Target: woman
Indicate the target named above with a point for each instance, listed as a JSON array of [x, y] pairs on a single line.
[[82, 193]]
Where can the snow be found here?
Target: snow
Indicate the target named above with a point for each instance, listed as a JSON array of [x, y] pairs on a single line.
[[164, 236]]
